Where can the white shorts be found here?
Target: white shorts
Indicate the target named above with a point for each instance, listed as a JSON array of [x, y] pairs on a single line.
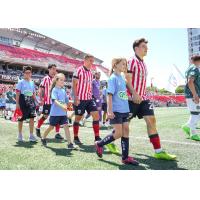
[[10, 106], [192, 107]]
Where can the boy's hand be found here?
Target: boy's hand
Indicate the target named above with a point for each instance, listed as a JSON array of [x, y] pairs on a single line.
[[65, 107], [111, 115], [196, 99], [76, 101]]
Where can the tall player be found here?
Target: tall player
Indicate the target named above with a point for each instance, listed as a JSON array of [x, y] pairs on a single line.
[[45, 100], [139, 104], [82, 90], [192, 95]]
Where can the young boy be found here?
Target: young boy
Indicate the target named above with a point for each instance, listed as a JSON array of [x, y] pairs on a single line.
[[25, 101], [192, 95]]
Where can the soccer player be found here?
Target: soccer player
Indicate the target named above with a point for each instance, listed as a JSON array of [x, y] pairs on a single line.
[[82, 91], [139, 103], [118, 111], [2, 104], [192, 95], [10, 102], [45, 100], [25, 101], [58, 113]]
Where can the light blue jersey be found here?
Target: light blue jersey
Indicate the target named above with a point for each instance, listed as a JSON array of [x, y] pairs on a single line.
[[117, 87], [27, 88], [60, 95]]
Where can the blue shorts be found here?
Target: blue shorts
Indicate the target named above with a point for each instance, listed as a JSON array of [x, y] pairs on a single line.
[[120, 118], [55, 120], [85, 105]]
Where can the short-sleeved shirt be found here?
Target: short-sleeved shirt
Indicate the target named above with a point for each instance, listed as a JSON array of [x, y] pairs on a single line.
[[104, 93], [10, 97], [27, 88], [2, 101], [117, 87], [194, 72], [60, 95], [96, 89], [46, 84], [138, 69], [84, 87]]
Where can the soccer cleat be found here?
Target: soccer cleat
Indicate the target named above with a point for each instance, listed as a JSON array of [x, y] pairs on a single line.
[[97, 138], [186, 130], [99, 150], [112, 148], [164, 156], [130, 161], [195, 137], [44, 142], [58, 136], [71, 146], [32, 138], [38, 132], [77, 141]]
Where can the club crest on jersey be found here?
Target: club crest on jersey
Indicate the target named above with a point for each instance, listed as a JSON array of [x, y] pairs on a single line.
[[123, 95]]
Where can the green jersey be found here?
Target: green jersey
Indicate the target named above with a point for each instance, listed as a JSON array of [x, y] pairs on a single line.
[[194, 72]]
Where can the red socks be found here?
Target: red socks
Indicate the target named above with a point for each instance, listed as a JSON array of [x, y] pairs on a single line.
[[155, 140], [40, 122], [96, 128], [76, 128], [57, 128]]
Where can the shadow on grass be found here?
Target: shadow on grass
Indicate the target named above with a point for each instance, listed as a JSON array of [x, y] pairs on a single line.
[[61, 151], [25, 144], [53, 140], [155, 164], [122, 166]]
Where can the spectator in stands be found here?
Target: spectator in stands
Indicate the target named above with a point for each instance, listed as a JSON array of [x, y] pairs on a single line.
[[25, 101], [10, 102], [45, 100]]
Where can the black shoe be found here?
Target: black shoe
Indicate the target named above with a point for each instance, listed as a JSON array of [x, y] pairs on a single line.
[[77, 141], [71, 146], [44, 142], [38, 132], [97, 138], [58, 136]]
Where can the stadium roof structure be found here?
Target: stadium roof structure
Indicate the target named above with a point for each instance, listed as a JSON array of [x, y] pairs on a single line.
[[41, 41]]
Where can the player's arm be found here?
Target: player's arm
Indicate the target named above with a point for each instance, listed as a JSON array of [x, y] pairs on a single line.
[[74, 88], [18, 92], [109, 103], [135, 96], [192, 89], [61, 105]]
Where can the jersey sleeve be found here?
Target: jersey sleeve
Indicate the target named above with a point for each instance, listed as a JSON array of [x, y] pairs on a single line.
[[192, 73], [111, 86], [76, 73], [19, 86], [54, 95], [131, 65], [42, 84]]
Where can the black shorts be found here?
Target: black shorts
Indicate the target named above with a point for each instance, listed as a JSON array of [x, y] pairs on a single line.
[[27, 107], [46, 109], [145, 108], [85, 105], [2, 107], [104, 107], [120, 118], [55, 120]]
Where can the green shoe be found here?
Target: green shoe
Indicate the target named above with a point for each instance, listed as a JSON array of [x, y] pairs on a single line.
[[164, 156], [195, 137], [112, 148], [186, 130]]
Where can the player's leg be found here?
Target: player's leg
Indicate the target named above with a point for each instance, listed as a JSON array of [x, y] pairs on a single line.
[[58, 135], [20, 126], [126, 159], [146, 110], [32, 138]]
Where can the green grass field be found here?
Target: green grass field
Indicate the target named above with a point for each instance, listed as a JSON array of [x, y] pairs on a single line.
[[34, 156]]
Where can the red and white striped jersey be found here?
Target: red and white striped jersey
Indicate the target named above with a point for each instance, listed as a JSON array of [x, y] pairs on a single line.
[[138, 68], [84, 87], [46, 84]]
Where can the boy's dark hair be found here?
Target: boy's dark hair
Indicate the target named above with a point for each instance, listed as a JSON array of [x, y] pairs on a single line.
[[137, 42], [195, 58], [27, 68], [51, 65], [87, 56]]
